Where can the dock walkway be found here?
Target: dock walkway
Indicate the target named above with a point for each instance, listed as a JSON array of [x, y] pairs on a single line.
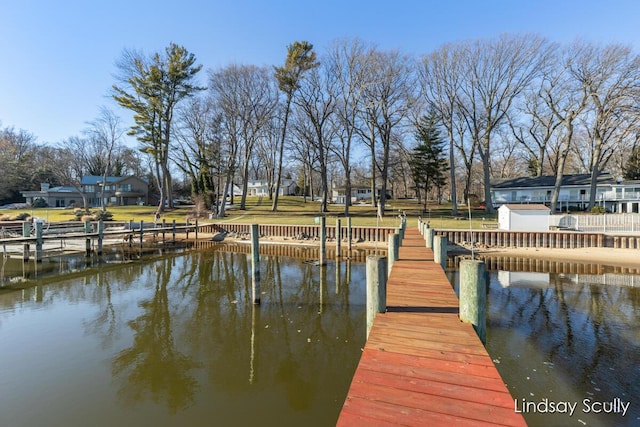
[[421, 366]]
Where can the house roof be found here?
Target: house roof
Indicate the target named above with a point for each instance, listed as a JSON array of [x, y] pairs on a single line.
[[94, 179], [525, 207], [550, 180]]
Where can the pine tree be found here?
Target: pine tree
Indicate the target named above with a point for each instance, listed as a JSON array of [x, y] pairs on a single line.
[[632, 168], [428, 162]]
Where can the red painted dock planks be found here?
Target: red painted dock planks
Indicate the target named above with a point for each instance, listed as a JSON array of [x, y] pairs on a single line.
[[421, 366]]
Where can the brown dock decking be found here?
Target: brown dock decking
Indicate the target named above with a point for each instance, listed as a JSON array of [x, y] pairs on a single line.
[[421, 366]]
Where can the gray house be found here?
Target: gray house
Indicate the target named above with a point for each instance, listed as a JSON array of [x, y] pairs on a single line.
[[613, 193], [118, 191]]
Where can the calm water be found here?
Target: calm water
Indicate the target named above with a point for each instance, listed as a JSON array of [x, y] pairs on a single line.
[[561, 337], [175, 341]]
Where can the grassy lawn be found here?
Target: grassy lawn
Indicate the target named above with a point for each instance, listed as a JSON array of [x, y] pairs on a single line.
[[291, 210]]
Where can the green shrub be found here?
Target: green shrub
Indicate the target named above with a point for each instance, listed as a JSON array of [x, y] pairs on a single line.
[[598, 210], [103, 215]]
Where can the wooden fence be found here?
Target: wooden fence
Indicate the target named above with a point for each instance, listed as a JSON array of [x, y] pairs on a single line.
[[538, 239]]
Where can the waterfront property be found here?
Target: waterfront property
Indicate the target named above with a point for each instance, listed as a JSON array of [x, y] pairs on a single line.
[[118, 191], [612, 193]]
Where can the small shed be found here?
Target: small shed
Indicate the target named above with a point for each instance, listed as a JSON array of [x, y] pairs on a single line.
[[514, 217]]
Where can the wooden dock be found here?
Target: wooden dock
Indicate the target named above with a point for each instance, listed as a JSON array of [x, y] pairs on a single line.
[[421, 366]]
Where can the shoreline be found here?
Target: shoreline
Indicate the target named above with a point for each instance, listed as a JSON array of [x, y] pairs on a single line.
[[606, 256]]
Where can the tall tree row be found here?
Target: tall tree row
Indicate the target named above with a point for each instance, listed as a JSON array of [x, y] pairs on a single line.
[[513, 104]]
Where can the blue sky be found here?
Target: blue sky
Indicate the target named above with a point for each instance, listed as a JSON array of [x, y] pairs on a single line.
[[57, 57]]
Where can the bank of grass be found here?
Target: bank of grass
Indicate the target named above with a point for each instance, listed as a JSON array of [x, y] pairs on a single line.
[[294, 211]]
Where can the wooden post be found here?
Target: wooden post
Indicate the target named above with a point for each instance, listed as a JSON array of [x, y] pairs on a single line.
[[26, 232], [141, 233], [38, 241], [164, 224], [394, 248], [376, 288], [173, 230], [428, 237], [87, 230], [196, 229], [473, 294], [130, 239], [440, 250], [100, 235], [255, 264], [338, 236], [186, 227], [349, 233], [323, 240]]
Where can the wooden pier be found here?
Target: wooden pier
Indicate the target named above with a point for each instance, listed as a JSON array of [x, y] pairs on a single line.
[[422, 366]]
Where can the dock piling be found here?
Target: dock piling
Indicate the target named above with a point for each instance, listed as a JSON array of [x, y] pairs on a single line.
[[473, 294], [394, 248], [255, 264], [376, 288], [440, 251]]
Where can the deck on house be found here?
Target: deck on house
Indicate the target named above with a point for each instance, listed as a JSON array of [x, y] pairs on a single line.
[[422, 366]]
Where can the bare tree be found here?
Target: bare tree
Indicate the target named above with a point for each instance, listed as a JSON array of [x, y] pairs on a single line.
[[567, 98], [441, 79], [611, 75], [199, 147], [496, 72], [347, 63], [388, 99], [104, 137], [315, 100]]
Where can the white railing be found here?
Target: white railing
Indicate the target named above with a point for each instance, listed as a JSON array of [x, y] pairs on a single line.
[[606, 223]]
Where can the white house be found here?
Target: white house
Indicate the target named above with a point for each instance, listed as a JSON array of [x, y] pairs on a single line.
[[258, 187], [338, 194], [614, 194], [523, 217]]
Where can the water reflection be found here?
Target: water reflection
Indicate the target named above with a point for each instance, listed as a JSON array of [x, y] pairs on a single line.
[[176, 341], [566, 334]]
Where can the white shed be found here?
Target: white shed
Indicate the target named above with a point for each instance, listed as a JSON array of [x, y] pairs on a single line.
[[532, 217]]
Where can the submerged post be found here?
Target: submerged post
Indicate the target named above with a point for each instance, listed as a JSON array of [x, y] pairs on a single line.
[[38, 241], [338, 236], [376, 288], [87, 240], [255, 264], [440, 250], [323, 240], [141, 232], [394, 248], [473, 296], [164, 224], [100, 235], [26, 232], [349, 233], [196, 229], [173, 230]]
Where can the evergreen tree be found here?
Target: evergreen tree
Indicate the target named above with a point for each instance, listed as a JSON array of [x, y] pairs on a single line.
[[428, 161], [632, 168]]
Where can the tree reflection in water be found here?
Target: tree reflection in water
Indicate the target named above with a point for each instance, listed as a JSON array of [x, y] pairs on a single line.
[[567, 339], [152, 366], [200, 335]]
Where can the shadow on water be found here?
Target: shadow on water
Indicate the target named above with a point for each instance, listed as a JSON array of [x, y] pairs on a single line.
[[566, 332], [173, 339]]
